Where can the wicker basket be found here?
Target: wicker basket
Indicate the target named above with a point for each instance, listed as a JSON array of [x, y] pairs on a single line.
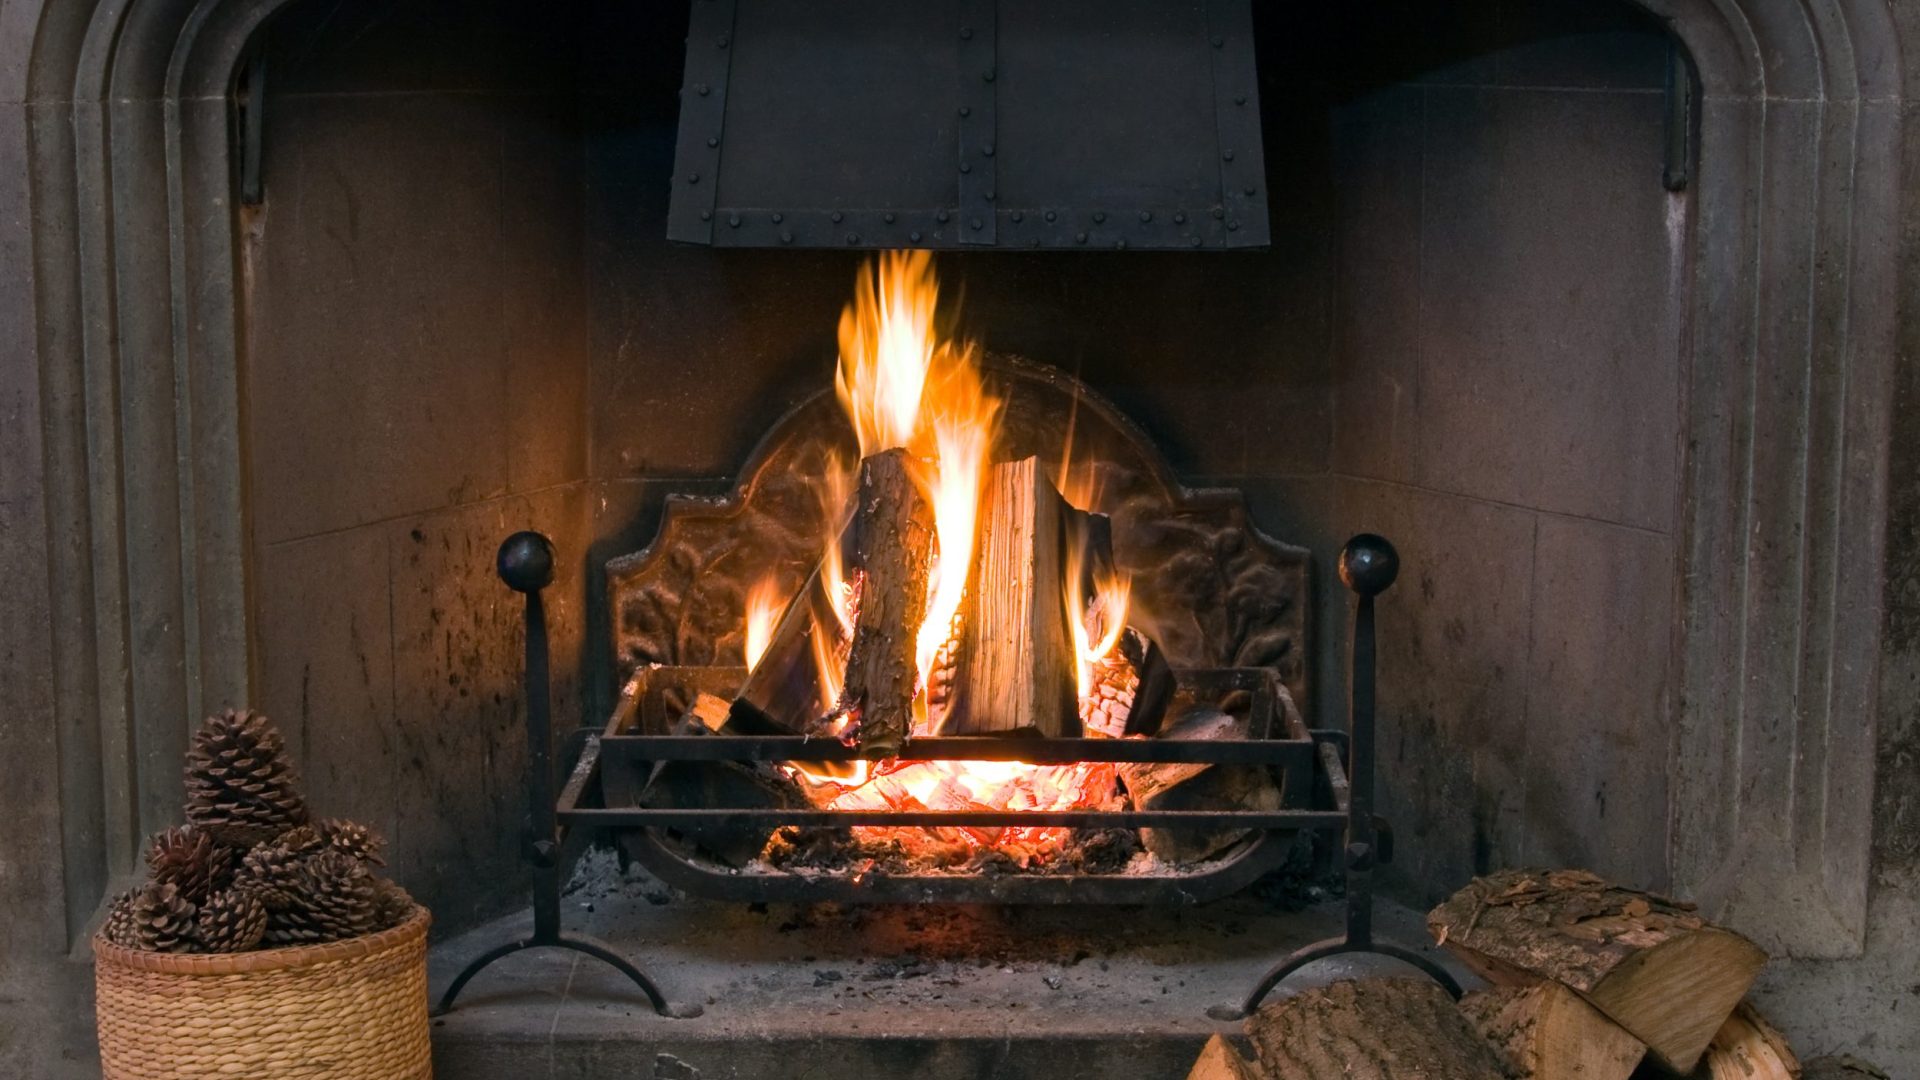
[[346, 1010]]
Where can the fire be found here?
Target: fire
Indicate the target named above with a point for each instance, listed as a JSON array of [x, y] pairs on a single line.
[[1097, 621], [764, 602], [904, 383]]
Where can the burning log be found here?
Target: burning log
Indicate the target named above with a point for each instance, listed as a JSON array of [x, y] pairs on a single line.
[[1652, 965], [1016, 658], [894, 525], [786, 692], [1373, 1029], [1547, 1033], [1131, 689], [1199, 787]]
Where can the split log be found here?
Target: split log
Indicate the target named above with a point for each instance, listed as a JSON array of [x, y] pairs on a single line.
[[1199, 787], [1747, 1048], [1017, 665], [1372, 1029], [785, 693], [1546, 1032], [1844, 1067], [893, 524], [708, 711], [1220, 1061], [1651, 964], [1132, 687]]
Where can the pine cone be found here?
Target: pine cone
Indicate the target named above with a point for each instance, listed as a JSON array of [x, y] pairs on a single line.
[[120, 925], [241, 785], [302, 840], [333, 898], [163, 920], [232, 921], [272, 873], [354, 839], [392, 905], [191, 860]]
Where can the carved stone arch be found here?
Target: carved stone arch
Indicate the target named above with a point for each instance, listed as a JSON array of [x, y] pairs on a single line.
[[1789, 347]]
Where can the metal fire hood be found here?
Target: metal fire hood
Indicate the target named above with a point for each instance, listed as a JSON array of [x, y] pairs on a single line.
[[970, 124]]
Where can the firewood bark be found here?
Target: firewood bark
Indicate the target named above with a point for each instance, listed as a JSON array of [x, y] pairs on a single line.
[[1016, 661], [1220, 1061], [1373, 1029], [1547, 1032], [1747, 1048], [893, 523], [1198, 787], [1651, 964]]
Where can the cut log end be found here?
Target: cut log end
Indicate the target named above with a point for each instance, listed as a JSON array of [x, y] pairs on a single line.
[[1220, 1061], [1546, 1032], [1747, 1048]]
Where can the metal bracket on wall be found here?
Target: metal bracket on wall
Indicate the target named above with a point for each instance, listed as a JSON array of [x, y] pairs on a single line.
[[1678, 172], [249, 112]]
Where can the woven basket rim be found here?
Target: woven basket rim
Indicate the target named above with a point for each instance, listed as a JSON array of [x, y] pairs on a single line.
[[257, 960]]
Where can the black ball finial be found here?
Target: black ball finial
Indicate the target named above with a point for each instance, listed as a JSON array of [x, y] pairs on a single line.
[[525, 562], [1368, 564]]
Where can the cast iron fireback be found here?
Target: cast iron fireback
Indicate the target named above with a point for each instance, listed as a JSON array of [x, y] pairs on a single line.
[[1075, 124]]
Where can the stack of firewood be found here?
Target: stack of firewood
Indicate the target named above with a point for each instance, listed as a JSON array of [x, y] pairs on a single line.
[[1588, 981]]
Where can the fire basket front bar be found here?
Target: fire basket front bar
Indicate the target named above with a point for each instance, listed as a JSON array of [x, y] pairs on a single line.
[[974, 819], [1032, 751]]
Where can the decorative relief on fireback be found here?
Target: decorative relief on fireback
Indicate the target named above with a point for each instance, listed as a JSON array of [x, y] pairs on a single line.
[[1207, 583]]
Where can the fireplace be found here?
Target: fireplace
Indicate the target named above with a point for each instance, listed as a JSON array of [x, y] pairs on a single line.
[[1592, 308]]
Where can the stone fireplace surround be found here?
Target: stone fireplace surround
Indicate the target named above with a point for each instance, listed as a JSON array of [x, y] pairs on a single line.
[[142, 561]]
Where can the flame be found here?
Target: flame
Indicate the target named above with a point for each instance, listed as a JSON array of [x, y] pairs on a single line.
[[764, 604], [904, 384], [1097, 621]]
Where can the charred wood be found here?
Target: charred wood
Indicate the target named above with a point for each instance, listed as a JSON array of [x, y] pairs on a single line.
[[893, 523], [1199, 787]]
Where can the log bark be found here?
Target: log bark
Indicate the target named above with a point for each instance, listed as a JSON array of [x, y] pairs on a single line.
[[1651, 964], [1017, 665], [1547, 1032], [1220, 1061], [1747, 1048], [893, 523], [1198, 787], [1373, 1029]]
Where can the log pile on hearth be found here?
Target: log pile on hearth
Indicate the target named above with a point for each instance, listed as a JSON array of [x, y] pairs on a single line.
[[1587, 980]]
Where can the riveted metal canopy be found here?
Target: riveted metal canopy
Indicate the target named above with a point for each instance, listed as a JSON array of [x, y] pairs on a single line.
[[954, 124]]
